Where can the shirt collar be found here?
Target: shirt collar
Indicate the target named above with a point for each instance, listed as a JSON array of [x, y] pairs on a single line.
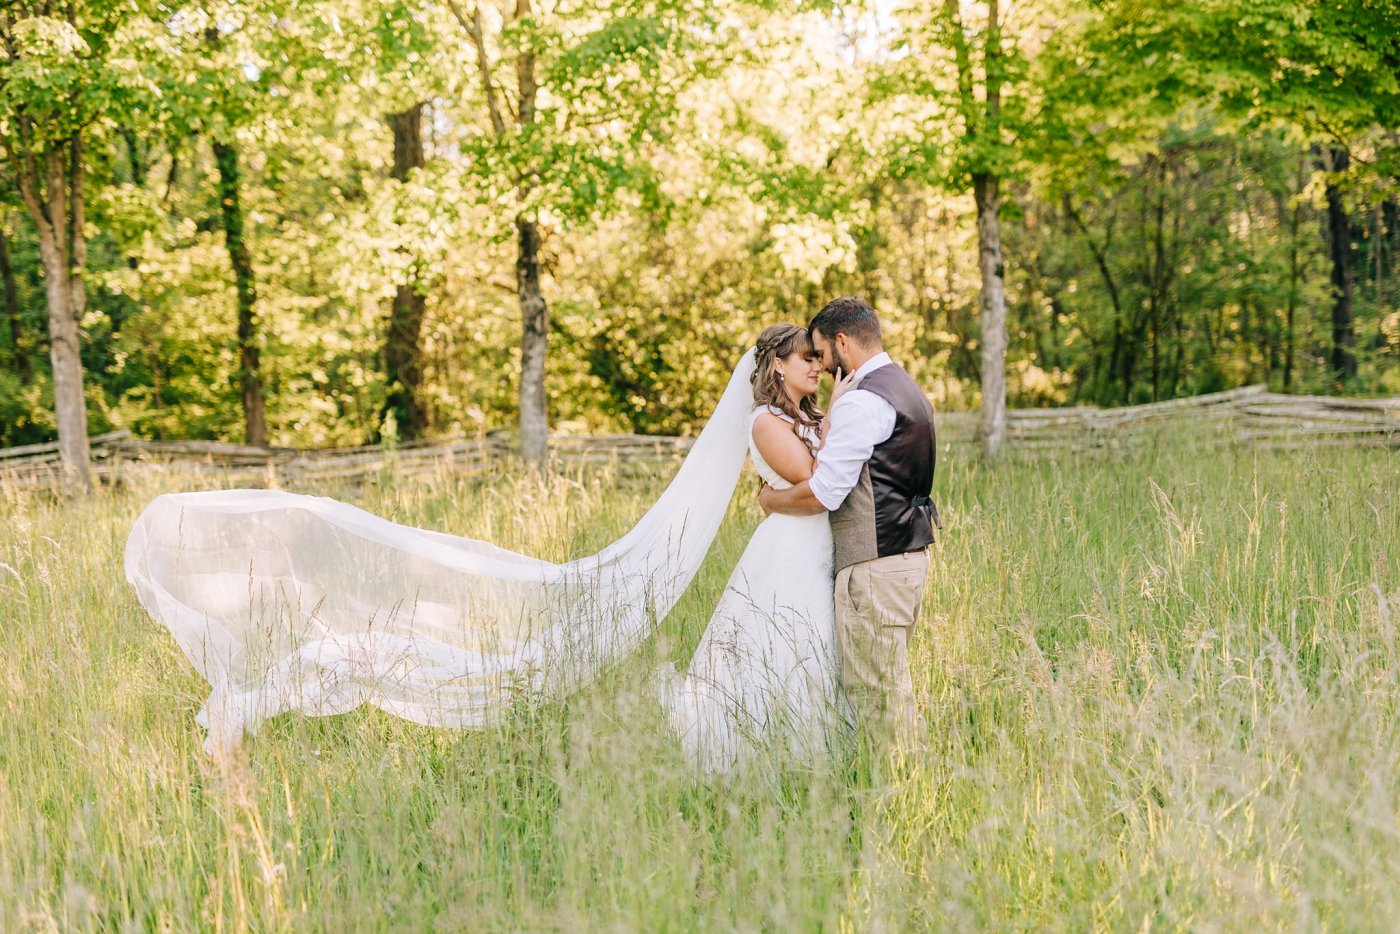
[[871, 365]]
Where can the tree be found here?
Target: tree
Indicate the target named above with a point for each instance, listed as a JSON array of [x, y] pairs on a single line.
[[984, 101], [403, 353], [12, 313], [409, 69], [1339, 244], [1329, 72], [226, 108], [1332, 71], [589, 88], [983, 133], [64, 66]]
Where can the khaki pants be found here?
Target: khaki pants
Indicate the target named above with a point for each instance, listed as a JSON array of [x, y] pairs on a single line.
[[877, 603]]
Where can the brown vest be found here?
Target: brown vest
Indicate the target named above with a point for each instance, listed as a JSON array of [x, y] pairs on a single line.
[[889, 511]]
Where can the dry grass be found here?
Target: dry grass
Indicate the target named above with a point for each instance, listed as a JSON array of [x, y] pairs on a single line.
[[1160, 693]]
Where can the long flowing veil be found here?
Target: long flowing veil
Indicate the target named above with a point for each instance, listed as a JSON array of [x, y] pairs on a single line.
[[291, 602]]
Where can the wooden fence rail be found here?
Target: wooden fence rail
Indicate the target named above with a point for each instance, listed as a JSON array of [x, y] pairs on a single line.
[[1250, 416]]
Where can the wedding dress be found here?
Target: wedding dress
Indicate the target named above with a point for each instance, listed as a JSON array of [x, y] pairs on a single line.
[[290, 602], [764, 674]]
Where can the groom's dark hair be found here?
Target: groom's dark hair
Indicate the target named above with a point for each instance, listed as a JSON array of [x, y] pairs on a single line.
[[850, 316]]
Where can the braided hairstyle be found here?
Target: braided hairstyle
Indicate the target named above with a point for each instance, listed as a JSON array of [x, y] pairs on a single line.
[[778, 343]]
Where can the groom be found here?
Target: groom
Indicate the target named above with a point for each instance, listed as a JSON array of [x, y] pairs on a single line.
[[874, 476]]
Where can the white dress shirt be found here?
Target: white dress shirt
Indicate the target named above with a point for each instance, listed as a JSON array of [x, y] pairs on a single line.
[[859, 421]]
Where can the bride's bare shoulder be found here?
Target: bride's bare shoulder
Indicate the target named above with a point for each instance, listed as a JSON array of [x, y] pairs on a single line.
[[780, 448]]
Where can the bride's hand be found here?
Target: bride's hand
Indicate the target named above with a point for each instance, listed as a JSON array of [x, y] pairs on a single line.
[[844, 383]]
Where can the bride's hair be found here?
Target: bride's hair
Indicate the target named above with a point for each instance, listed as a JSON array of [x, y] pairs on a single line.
[[777, 343]]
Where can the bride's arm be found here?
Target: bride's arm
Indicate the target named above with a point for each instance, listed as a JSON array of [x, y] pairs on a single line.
[[845, 382], [782, 449]]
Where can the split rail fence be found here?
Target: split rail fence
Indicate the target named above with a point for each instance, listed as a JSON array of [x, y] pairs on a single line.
[[1246, 416]]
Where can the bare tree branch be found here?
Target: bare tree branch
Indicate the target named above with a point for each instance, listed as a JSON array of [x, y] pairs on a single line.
[[474, 30], [525, 72]]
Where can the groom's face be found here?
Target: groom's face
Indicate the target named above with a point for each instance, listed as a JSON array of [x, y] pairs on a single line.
[[828, 352]]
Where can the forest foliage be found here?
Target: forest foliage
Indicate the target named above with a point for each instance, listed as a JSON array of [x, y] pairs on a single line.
[[363, 220]]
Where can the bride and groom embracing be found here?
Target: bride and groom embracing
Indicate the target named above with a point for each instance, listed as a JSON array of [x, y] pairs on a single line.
[[814, 624], [285, 601]]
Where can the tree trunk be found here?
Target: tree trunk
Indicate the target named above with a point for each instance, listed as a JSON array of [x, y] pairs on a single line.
[[61, 247], [1158, 298], [1127, 366], [1339, 243], [1053, 350], [986, 191], [1390, 222], [1154, 356], [7, 275], [1178, 355], [1388, 242], [534, 315], [245, 292], [1290, 333], [54, 196], [135, 164], [403, 352], [1380, 263]]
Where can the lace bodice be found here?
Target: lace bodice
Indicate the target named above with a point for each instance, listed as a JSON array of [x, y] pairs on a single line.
[[769, 475]]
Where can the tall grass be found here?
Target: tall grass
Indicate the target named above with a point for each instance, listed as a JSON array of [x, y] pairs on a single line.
[[1160, 692]]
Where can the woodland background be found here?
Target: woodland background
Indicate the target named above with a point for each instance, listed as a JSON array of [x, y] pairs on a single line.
[[355, 221]]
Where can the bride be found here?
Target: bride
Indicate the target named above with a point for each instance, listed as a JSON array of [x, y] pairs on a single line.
[[291, 602], [764, 674]]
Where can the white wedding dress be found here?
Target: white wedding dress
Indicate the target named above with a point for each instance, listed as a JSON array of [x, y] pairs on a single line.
[[289, 602], [764, 676]]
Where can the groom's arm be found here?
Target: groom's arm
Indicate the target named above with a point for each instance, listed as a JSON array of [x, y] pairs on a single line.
[[859, 421], [794, 501]]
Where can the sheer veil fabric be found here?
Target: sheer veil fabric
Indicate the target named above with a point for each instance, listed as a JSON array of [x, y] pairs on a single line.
[[291, 602]]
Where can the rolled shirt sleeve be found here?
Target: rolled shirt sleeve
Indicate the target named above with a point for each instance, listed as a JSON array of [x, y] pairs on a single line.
[[859, 421]]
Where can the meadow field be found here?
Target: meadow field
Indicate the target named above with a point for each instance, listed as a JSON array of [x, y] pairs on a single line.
[[1160, 691]]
